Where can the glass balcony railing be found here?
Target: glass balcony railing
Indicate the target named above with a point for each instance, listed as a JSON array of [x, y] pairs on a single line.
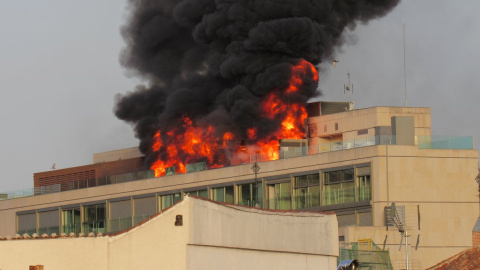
[[307, 200], [138, 219], [47, 230], [119, 224], [251, 203], [445, 142], [73, 185], [27, 231], [75, 228], [280, 203], [346, 195], [423, 142], [96, 226]]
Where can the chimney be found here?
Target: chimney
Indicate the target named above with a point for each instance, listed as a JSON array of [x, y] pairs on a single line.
[[476, 234]]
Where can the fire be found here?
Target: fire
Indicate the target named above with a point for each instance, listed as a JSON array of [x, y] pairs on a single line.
[[191, 143]]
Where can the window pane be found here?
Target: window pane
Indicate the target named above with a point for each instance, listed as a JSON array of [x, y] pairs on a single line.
[[229, 194], [219, 194], [245, 194], [339, 176], [259, 195], [313, 179], [27, 223], [283, 196], [71, 221], [347, 192], [94, 218], [177, 197], [202, 193], [167, 201], [364, 188], [301, 180]]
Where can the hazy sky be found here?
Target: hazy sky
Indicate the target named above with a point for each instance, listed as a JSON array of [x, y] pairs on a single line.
[[59, 74]]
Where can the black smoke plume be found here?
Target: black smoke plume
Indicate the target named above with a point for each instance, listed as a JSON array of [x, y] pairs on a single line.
[[216, 60]]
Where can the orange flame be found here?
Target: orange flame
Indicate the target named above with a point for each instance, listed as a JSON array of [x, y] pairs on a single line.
[[203, 144]]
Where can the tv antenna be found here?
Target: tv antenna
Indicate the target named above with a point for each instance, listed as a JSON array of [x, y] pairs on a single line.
[[399, 222]]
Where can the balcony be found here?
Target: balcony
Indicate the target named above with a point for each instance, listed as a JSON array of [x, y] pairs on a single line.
[[423, 142], [346, 195]]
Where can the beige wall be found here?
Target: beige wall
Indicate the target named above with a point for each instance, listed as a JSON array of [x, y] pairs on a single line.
[[214, 258], [230, 237], [304, 241], [55, 254], [155, 244], [438, 183], [369, 118]]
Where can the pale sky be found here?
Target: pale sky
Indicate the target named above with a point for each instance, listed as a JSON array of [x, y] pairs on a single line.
[[59, 74]]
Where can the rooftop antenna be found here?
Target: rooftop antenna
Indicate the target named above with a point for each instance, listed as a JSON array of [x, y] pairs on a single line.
[[400, 224], [348, 89], [404, 65]]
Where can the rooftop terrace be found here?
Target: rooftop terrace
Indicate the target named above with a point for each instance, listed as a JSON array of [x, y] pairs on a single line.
[[423, 142]]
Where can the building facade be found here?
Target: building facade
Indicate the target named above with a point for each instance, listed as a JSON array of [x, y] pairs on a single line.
[[355, 163], [193, 234]]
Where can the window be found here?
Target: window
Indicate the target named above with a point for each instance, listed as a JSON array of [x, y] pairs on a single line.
[[71, 221], [342, 186], [336, 126], [94, 218], [307, 191], [27, 223], [223, 194], [334, 177], [143, 209], [48, 222], [247, 194], [169, 200], [363, 193], [339, 187], [280, 196], [120, 216]]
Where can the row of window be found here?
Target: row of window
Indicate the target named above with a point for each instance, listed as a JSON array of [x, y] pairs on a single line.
[[291, 192]]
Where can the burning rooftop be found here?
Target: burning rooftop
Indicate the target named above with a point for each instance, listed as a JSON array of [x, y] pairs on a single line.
[[228, 79]]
